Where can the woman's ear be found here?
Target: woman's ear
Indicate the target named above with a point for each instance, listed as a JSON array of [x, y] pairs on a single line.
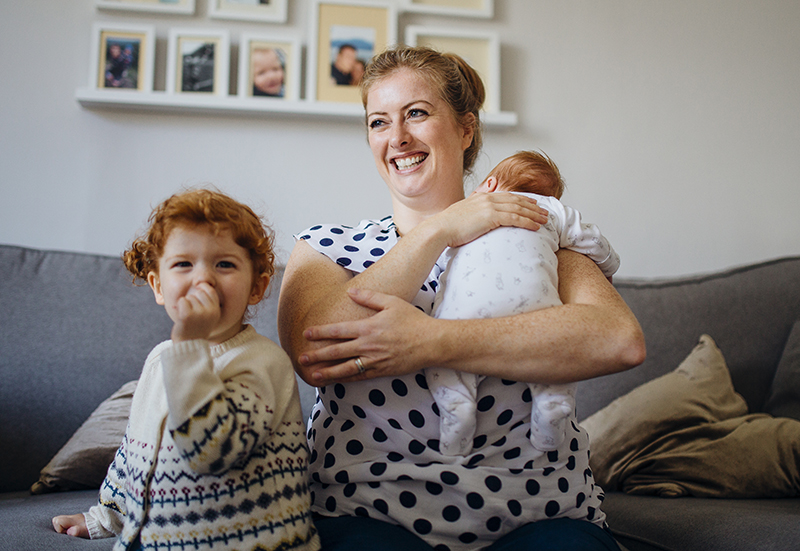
[[469, 131], [259, 288], [155, 285]]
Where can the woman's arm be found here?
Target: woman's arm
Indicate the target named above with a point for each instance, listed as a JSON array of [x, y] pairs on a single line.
[[594, 333], [315, 289]]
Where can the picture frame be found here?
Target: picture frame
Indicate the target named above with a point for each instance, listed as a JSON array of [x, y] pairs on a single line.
[[266, 52], [156, 6], [344, 35], [249, 10], [122, 57], [459, 8], [481, 49], [198, 61]]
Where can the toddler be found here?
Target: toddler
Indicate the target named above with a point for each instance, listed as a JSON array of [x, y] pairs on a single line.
[[505, 272], [214, 455]]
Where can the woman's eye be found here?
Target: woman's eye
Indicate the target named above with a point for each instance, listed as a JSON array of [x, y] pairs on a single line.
[[377, 123], [417, 113]]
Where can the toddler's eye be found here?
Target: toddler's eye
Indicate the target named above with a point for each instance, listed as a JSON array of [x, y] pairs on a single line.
[[183, 264], [226, 264]]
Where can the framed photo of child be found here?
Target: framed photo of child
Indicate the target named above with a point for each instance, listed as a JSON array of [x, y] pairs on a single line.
[[269, 67], [122, 57], [253, 10], [198, 61], [157, 6], [481, 49], [345, 34]]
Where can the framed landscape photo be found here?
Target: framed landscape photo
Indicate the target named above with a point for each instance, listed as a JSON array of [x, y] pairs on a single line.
[[198, 61], [255, 10], [345, 34], [160, 6], [463, 8], [481, 49], [122, 57], [269, 67]]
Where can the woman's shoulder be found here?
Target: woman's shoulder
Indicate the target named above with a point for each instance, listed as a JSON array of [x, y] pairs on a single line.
[[353, 247]]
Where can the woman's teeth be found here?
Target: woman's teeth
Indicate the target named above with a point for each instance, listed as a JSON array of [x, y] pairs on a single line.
[[408, 162]]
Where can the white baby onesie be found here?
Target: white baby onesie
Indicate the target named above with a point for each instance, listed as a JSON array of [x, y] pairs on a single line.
[[505, 272]]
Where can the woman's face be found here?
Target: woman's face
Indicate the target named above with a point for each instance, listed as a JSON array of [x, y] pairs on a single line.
[[417, 145]]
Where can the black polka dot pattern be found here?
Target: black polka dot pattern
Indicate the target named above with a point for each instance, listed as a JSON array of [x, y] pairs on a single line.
[[375, 448]]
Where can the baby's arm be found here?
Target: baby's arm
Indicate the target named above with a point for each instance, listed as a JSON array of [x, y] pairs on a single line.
[[586, 239], [219, 418]]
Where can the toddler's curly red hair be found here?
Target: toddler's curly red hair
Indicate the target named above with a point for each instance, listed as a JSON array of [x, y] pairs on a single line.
[[201, 207]]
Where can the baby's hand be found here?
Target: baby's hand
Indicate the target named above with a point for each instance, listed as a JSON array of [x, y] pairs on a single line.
[[197, 314], [72, 525]]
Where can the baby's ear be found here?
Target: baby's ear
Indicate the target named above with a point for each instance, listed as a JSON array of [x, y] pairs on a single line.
[[259, 288], [155, 285]]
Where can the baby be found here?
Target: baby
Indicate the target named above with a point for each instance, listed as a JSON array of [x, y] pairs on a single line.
[[505, 272], [215, 454]]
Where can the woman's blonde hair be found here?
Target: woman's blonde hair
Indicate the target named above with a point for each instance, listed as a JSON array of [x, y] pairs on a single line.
[[456, 82], [201, 207]]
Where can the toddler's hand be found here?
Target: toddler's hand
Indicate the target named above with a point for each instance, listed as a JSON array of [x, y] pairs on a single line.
[[72, 525], [197, 314]]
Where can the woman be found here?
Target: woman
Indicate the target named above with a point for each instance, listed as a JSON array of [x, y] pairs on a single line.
[[353, 319]]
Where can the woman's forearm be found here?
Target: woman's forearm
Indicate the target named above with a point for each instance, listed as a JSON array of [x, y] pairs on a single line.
[[594, 333]]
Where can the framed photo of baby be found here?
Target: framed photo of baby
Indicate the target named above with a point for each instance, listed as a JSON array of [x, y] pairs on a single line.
[[198, 61], [345, 35], [122, 57], [269, 67]]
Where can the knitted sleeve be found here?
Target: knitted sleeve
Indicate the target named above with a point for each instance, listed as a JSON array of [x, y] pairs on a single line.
[[222, 408], [105, 519]]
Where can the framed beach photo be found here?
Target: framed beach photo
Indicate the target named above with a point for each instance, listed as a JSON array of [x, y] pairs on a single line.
[[158, 6], [344, 36], [198, 61], [481, 49], [252, 10], [269, 67], [122, 57], [462, 8]]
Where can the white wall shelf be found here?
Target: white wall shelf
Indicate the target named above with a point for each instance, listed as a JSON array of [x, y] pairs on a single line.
[[92, 98]]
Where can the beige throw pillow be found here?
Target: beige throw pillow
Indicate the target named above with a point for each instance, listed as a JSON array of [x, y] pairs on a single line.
[[83, 461], [698, 391]]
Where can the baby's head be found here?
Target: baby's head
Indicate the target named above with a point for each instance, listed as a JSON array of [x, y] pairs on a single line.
[[525, 171], [269, 70], [204, 208]]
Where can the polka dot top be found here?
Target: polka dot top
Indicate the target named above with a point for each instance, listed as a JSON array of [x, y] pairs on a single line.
[[375, 448]]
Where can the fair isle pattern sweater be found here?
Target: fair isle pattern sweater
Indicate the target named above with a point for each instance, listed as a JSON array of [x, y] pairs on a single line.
[[214, 456]]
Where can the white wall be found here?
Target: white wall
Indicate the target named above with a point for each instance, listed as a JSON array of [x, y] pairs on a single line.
[[676, 124]]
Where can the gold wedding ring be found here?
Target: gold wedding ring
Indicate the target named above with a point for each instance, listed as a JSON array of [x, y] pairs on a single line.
[[360, 366]]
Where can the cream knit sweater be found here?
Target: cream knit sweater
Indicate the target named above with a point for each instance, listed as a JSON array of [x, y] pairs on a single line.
[[215, 454]]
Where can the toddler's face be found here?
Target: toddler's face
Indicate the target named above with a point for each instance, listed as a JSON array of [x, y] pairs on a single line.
[[267, 72], [194, 259]]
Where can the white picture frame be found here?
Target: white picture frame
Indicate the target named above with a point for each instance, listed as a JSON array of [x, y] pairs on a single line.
[[289, 55], [458, 8], [133, 46], [480, 48], [370, 26], [248, 10], [189, 70], [155, 6]]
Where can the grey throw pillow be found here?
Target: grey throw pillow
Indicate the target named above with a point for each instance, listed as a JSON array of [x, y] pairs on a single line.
[[784, 396]]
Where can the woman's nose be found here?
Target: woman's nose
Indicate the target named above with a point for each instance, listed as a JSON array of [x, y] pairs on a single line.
[[400, 136]]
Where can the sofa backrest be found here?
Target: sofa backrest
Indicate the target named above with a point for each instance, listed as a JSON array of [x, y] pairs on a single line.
[[748, 311]]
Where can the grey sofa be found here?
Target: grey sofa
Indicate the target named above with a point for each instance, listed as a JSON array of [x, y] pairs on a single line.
[[75, 330]]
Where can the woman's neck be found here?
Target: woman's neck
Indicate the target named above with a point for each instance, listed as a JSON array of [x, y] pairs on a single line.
[[408, 213]]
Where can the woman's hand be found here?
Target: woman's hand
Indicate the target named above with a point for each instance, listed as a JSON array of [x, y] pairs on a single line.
[[388, 343], [481, 213]]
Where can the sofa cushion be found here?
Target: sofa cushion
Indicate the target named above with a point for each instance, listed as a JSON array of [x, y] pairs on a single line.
[[699, 390], [687, 433], [784, 396], [83, 461]]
